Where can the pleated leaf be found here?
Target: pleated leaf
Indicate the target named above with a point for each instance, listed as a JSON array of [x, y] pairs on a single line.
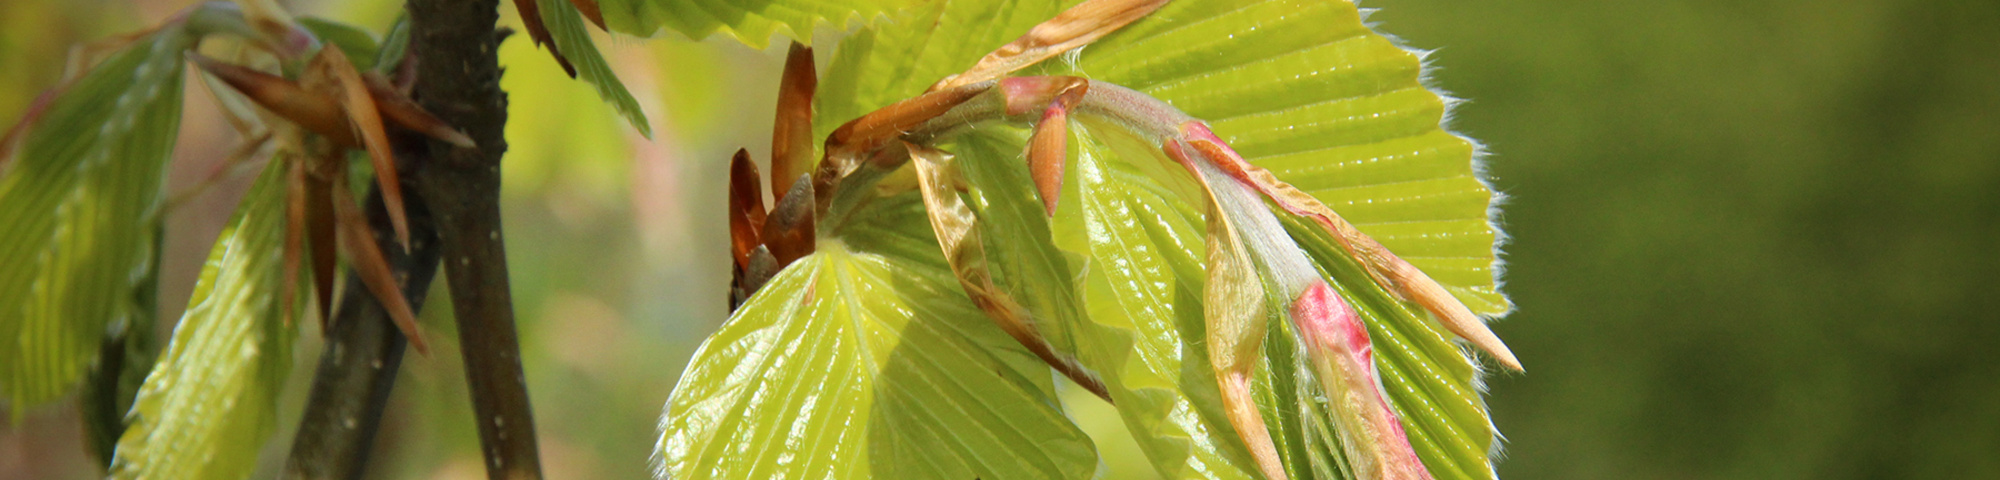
[[572, 38], [1141, 241], [899, 59], [1303, 88], [752, 22], [80, 201], [1300, 87], [213, 396], [854, 363], [1020, 253]]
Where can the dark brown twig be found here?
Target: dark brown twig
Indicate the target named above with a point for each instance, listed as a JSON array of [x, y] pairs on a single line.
[[363, 350], [459, 80]]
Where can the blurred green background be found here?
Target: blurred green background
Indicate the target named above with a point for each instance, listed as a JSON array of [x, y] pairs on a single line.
[[1749, 239]]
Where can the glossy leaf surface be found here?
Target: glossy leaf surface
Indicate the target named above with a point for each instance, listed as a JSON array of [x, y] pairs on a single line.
[[856, 364], [215, 389], [80, 197], [1303, 88], [1300, 87]]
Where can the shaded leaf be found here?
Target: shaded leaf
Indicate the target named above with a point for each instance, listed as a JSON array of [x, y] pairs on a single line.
[[572, 38], [215, 389], [856, 364], [80, 198], [359, 45]]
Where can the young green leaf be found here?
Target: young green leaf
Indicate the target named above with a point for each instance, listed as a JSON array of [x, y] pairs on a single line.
[[857, 364], [81, 195], [1304, 89], [1141, 244], [897, 60], [1029, 296], [215, 389], [572, 38], [753, 23], [1307, 91]]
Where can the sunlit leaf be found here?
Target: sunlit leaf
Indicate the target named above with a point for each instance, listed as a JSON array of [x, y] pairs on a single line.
[[80, 198], [752, 22], [1303, 88], [899, 59], [1141, 244], [572, 38], [1300, 87], [1019, 252], [214, 392], [856, 364]]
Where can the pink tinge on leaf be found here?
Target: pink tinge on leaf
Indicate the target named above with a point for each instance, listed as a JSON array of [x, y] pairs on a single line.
[[1322, 314], [1337, 342]]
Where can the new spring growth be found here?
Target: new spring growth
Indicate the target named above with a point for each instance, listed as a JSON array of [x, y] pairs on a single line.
[[342, 109], [1248, 247]]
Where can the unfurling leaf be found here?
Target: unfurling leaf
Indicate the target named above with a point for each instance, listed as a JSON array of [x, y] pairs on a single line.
[[215, 389], [1233, 310], [963, 245]]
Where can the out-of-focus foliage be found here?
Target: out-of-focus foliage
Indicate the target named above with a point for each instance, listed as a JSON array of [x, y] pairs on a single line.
[[216, 387], [82, 204], [572, 38], [1750, 240]]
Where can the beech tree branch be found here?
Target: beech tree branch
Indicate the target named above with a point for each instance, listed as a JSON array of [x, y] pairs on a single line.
[[456, 44], [363, 352]]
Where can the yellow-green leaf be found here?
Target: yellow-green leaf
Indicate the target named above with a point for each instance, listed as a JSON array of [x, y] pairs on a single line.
[[213, 396], [1303, 88], [899, 59], [856, 364], [1141, 242]]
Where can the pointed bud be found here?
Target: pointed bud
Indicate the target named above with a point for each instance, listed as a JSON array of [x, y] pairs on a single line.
[[331, 70], [1048, 148], [791, 134], [788, 230], [746, 208], [1233, 309]]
